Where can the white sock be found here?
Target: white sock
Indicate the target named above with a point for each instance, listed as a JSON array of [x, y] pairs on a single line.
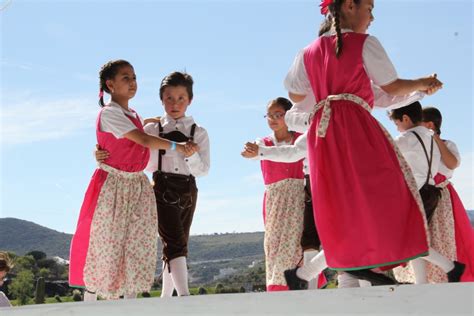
[[313, 268], [130, 296], [419, 268], [89, 297], [439, 260], [346, 280], [364, 283], [179, 274], [167, 286], [308, 255]]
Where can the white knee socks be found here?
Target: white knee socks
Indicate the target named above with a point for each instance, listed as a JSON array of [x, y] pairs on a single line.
[[179, 274], [89, 297], [307, 257], [167, 285], [346, 280], [419, 269], [130, 296], [439, 260], [315, 267]]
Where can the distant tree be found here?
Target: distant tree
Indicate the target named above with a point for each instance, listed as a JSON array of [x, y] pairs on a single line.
[[56, 270], [44, 273], [36, 254], [39, 292], [22, 286], [242, 289], [219, 288], [202, 291], [25, 263]]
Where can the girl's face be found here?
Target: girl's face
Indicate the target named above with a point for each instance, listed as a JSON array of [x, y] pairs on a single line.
[[359, 15], [124, 84], [276, 117], [176, 101]]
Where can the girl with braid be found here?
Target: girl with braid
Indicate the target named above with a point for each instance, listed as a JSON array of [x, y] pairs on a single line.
[[367, 208], [113, 251]]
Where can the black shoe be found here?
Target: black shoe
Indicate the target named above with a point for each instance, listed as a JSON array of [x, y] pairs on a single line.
[[373, 277], [293, 281], [455, 274]]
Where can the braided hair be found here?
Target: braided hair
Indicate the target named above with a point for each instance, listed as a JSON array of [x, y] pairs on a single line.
[[333, 18], [432, 114], [107, 72]]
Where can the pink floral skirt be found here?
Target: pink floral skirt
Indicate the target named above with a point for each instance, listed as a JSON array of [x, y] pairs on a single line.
[[122, 253], [284, 213]]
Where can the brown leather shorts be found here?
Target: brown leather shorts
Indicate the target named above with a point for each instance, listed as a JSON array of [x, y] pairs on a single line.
[[176, 197]]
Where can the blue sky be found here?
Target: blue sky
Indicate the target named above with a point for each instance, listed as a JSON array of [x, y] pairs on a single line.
[[238, 53]]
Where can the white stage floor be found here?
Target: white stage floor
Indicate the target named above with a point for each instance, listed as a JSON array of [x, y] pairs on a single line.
[[440, 299]]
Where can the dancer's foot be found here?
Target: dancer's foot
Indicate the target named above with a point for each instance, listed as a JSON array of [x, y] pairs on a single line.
[[455, 274], [373, 277], [293, 281]]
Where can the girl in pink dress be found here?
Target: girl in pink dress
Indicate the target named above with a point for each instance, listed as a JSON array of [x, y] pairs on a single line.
[[367, 207], [284, 200], [461, 232], [114, 248]]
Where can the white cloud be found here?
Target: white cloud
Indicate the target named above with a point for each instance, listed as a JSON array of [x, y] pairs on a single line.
[[36, 120], [463, 180]]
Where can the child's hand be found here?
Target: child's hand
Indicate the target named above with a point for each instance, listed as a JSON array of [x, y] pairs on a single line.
[[191, 148], [100, 155], [430, 84], [250, 150], [152, 120]]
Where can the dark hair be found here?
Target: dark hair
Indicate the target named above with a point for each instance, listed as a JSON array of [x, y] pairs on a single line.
[[432, 114], [107, 72], [413, 111], [283, 102], [176, 79], [334, 18]]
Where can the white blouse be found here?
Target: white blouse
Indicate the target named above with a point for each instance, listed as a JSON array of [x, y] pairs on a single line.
[[284, 151], [377, 64], [414, 154], [448, 173], [174, 162], [114, 120]]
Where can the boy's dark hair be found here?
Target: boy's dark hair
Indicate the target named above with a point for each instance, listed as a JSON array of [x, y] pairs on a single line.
[[109, 71], [283, 102], [334, 17], [413, 111], [176, 79], [432, 114]]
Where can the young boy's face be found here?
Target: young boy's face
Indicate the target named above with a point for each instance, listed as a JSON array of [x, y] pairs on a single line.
[[403, 124], [176, 101]]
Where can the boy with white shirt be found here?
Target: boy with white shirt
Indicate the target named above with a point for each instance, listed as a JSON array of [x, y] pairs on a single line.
[[174, 178], [417, 147]]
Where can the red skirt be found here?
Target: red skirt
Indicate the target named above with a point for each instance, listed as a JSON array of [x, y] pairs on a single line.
[[366, 205]]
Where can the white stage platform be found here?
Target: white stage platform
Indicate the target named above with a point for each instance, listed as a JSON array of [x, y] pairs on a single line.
[[440, 299]]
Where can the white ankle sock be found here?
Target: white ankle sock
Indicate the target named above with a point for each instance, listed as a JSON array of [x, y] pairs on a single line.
[[439, 260], [419, 269], [308, 255], [345, 280], [89, 297], [130, 296], [179, 274], [313, 268], [167, 285]]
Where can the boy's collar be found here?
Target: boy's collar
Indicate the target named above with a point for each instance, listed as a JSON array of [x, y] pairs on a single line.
[[186, 120]]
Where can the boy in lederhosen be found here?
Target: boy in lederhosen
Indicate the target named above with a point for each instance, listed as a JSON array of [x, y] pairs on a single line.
[[174, 178]]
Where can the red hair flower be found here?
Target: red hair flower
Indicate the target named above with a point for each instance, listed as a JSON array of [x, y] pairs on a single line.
[[324, 6]]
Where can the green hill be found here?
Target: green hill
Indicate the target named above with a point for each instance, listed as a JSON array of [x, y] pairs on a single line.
[[20, 237]]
